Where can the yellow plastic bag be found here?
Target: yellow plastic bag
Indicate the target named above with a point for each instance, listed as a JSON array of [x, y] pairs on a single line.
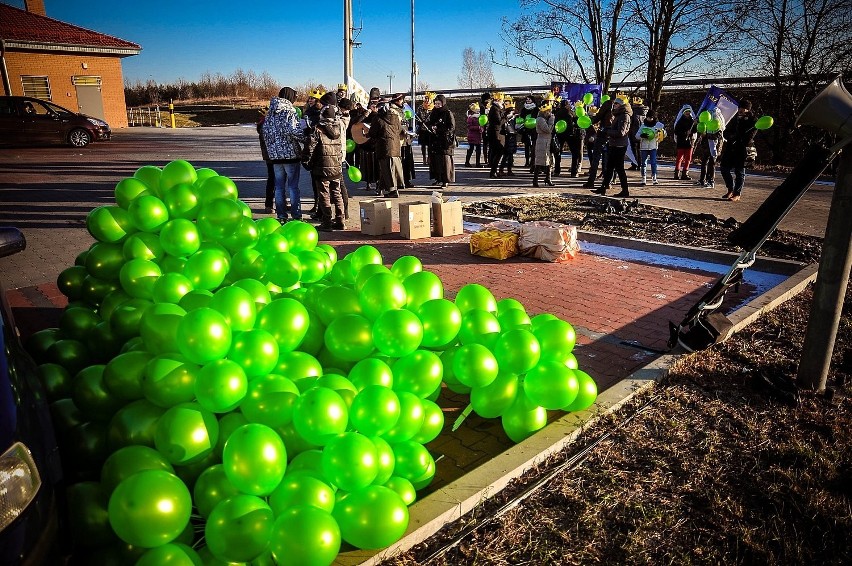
[[495, 244]]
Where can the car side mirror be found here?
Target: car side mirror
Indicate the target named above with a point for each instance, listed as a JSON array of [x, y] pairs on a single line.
[[12, 241]]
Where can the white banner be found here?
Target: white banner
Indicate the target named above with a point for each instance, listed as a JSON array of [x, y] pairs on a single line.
[[357, 92]]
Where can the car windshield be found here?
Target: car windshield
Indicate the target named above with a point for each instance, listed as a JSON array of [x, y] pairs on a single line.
[[48, 108]]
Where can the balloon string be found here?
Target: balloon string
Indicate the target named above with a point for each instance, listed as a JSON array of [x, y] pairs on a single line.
[[467, 411]]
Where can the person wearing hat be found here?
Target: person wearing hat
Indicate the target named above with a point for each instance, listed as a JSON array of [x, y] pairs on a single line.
[[739, 136], [442, 125], [617, 139], [311, 113], [639, 113], [327, 169], [423, 135], [474, 135], [342, 90], [493, 135], [485, 107], [385, 131], [597, 136], [510, 138], [365, 152], [397, 104], [543, 157], [685, 135], [529, 109], [282, 137]]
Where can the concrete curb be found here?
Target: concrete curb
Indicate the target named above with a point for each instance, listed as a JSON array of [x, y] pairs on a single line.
[[429, 515]]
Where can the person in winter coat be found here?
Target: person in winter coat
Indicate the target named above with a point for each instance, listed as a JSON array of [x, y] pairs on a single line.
[[327, 169], [442, 125], [311, 113], [562, 112], [709, 146], [617, 139], [684, 137], [423, 136], [575, 137], [283, 137], [484, 109], [385, 131], [639, 113], [474, 135], [739, 135], [544, 131], [601, 120], [270, 171], [365, 153], [345, 107], [529, 109], [496, 140], [510, 144], [649, 135]]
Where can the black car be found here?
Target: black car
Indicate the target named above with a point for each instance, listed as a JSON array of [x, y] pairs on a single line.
[[30, 470], [25, 120]]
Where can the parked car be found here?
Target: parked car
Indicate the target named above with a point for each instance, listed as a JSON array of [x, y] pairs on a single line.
[[25, 120], [30, 470]]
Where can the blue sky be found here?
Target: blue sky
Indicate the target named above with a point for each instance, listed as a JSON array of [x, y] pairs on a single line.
[[297, 42]]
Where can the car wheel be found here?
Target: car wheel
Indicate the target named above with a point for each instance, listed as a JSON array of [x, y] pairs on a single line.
[[79, 137]]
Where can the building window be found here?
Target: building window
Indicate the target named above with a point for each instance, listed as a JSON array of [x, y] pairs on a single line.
[[85, 80], [37, 87]]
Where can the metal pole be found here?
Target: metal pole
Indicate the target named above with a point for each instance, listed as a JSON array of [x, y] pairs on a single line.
[[390, 83], [830, 288], [347, 41], [413, 75]]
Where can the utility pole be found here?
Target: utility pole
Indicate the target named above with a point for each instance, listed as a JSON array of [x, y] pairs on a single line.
[[347, 41], [413, 75], [390, 83]]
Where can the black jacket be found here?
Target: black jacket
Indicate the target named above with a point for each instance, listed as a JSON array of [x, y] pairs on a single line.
[[327, 164]]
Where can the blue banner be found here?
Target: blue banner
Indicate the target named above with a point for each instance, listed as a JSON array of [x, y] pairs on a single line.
[[576, 91], [718, 98]]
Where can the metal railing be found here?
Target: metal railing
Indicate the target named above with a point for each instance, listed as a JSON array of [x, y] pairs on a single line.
[[145, 116]]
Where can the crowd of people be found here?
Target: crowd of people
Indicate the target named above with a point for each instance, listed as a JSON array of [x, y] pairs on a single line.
[[332, 133]]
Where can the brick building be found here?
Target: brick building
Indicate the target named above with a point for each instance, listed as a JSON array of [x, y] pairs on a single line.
[[74, 67]]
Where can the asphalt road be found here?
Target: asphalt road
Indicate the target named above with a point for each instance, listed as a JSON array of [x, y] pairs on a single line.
[[48, 191]]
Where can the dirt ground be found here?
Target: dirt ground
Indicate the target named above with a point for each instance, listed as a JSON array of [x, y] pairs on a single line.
[[725, 461]]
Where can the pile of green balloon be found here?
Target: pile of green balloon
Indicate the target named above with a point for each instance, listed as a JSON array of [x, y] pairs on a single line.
[[227, 389]]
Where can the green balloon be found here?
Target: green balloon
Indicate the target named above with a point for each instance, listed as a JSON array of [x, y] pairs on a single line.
[[371, 371], [256, 351], [335, 301], [349, 461], [475, 296], [385, 458], [124, 373], [283, 269], [523, 419], [704, 116], [142, 520], [110, 224], [134, 424], [77, 322], [350, 337], [319, 415], [405, 266], [138, 277], [148, 213], [313, 264], [354, 173], [479, 326], [551, 385], [403, 488], [701, 127], [94, 290], [433, 423], [584, 121], [228, 423], [87, 514], [179, 237], [70, 354], [217, 187], [237, 306], [177, 171], [560, 126], [104, 260], [397, 332], [587, 392], [221, 386], [368, 271], [129, 189], [483, 119], [588, 98], [375, 410], [411, 417], [556, 337], [56, 381], [247, 263], [173, 554], [207, 269], [604, 98], [244, 235], [305, 536], [270, 400], [474, 365], [493, 400], [441, 321], [158, 327], [218, 218], [71, 280], [529, 123], [287, 320], [239, 528], [91, 395], [255, 459], [350, 145], [186, 434], [764, 123], [713, 126], [130, 460], [419, 372], [182, 202], [150, 176], [171, 288], [272, 243], [301, 489], [517, 351], [382, 292], [169, 380], [371, 518], [364, 255], [143, 245], [202, 174], [340, 384], [412, 460], [203, 335], [211, 487], [514, 318], [195, 299], [298, 365], [420, 287], [300, 235]]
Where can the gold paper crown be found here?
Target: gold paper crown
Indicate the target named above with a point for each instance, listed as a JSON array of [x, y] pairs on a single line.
[[473, 106], [508, 101], [497, 96], [623, 97], [429, 95], [579, 103], [637, 100], [592, 110], [316, 93], [341, 86]]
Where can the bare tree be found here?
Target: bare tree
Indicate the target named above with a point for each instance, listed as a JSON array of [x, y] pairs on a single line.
[[566, 40], [476, 70], [677, 36]]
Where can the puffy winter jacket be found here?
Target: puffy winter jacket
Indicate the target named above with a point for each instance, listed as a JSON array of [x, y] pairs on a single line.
[[327, 163], [619, 131], [385, 130], [281, 132]]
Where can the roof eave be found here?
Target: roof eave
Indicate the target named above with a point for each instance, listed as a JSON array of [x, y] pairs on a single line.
[[71, 48]]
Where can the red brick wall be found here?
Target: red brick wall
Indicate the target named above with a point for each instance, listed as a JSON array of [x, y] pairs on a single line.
[[59, 69]]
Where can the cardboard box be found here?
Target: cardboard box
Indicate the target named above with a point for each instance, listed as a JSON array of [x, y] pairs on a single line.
[[376, 216], [415, 220], [447, 217]]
